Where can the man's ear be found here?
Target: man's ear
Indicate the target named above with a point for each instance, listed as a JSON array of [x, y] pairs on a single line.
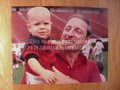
[[86, 40]]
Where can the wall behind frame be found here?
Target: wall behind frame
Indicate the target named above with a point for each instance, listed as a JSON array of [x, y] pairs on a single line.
[[114, 43]]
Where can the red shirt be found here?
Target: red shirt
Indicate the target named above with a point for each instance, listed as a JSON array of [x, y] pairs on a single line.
[[83, 70], [42, 53], [45, 57]]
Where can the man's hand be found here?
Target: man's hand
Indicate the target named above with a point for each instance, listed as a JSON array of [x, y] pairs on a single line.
[[62, 79]]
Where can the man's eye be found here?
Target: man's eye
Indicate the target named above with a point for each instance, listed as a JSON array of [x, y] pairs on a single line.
[[78, 30], [68, 28]]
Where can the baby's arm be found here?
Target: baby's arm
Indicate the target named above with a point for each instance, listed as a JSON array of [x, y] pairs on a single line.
[[47, 75]]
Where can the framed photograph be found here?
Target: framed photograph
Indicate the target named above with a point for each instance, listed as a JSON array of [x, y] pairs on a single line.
[[66, 31], [77, 45]]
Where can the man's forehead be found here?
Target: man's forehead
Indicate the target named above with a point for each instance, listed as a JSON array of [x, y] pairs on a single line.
[[76, 21]]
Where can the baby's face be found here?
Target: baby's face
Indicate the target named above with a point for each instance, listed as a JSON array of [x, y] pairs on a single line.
[[40, 26]]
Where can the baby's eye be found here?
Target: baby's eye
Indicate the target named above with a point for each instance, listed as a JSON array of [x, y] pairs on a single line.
[[37, 24], [46, 23]]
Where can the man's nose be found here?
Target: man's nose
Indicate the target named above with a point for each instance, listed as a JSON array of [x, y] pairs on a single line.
[[70, 34]]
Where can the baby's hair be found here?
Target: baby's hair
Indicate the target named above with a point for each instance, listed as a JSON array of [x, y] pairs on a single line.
[[37, 12]]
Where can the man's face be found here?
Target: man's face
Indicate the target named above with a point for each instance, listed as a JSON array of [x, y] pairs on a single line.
[[40, 26], [74, 34]]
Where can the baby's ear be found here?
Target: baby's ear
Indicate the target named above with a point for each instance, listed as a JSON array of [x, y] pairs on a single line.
[[28, 27], [51, 23]]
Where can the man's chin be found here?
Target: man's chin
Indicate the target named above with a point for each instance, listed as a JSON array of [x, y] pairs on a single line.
[[70, 48]]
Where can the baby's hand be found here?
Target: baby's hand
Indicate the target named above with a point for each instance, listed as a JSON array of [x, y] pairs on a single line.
[[48, 76]]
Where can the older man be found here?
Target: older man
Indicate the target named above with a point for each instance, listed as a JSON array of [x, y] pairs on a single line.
[[71, 65]]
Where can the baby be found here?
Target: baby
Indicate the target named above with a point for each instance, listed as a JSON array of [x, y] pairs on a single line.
[[38, 59]]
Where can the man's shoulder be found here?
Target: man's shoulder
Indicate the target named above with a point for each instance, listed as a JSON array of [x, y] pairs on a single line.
[[91, 63]]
